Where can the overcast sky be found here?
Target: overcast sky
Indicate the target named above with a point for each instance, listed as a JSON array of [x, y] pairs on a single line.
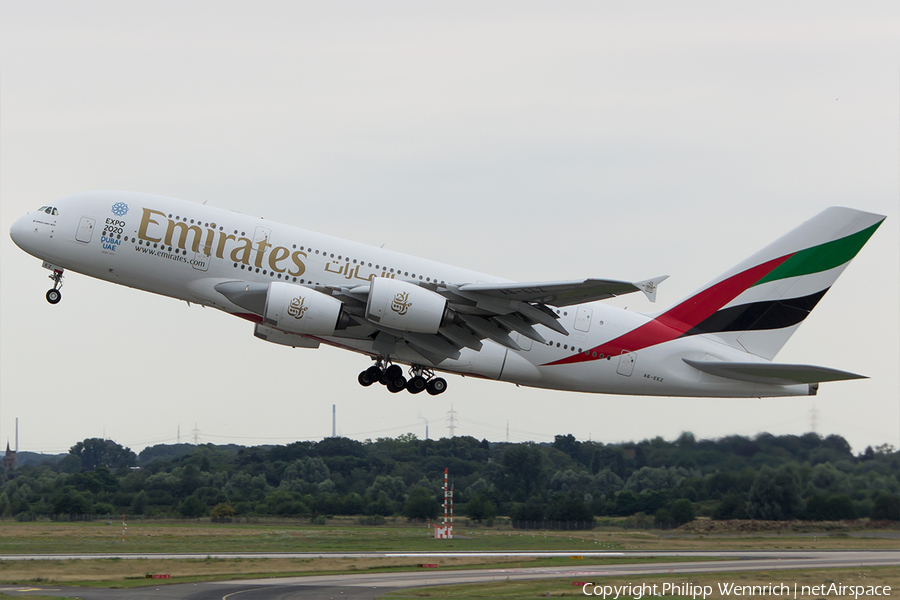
[[533, 141]]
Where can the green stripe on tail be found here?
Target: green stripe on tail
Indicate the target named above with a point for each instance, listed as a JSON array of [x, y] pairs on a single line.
[[822, 257]]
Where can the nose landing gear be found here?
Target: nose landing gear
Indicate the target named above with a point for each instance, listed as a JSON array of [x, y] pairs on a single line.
[[54, 295], [391, 376]]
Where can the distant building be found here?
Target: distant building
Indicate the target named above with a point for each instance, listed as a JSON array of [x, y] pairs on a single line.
[[9, 460]]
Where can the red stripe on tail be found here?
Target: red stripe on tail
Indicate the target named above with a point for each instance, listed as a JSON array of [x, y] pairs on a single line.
[[680, 318]]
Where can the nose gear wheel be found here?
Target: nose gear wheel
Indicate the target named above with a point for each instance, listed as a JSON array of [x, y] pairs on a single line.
[[54, 295]]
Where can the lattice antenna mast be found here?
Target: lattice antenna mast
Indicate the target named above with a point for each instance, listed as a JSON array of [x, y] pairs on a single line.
[[196, 433], [813, 418], [451, 421]]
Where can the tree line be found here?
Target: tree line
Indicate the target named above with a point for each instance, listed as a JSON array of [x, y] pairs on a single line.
[[764, 477]]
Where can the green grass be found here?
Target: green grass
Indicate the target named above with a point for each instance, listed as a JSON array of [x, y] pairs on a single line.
[[204, 537], [113, 573], [48, 538]]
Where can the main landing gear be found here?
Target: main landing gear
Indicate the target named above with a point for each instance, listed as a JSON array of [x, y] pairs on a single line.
[[391, 376], [54, 295]]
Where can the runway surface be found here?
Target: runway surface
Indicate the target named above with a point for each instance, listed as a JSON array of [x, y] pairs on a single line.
[[373, 585]]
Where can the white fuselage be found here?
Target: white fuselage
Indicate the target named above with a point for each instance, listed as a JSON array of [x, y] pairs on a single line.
[[182, 249]]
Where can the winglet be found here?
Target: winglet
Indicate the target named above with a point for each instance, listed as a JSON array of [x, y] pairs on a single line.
[[649, 286]]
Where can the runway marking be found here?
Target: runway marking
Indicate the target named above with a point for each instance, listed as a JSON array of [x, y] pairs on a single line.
[[226, 596]]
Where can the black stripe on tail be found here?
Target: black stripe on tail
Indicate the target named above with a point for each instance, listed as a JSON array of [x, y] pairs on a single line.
[[771, 314]]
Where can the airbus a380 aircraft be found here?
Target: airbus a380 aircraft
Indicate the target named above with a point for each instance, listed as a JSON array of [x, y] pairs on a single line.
[[302, 289]]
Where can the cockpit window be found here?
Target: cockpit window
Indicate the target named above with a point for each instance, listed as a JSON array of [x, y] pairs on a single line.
[[50, 210], [55, 212], [43, 208]]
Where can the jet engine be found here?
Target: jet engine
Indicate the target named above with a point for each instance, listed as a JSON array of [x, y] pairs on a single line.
[[299, 309], [406, 306]]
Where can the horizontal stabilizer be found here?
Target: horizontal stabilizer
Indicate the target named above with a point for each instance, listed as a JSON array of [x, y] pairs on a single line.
[[771, 373]]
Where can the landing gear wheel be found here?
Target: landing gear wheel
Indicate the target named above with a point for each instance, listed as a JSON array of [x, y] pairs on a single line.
[[364, 379], [393, 372], [374, 373], [54, 295], [436, 386], [396, 385], [416, 384]]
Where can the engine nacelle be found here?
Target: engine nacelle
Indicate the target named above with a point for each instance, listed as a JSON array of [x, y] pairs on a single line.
[[300, 309], [406, 306], [273, 336]]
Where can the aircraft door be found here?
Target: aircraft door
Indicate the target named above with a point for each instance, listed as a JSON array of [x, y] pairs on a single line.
[[626, 364], [85, 229], [583, 317], [201, 261]]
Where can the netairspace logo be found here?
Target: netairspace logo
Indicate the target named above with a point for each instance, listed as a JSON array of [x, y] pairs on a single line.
[[638, 591]]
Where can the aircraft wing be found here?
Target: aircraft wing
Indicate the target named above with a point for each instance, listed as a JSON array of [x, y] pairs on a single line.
[[771, 373], [565, 293], [495, 311], [482, 311]]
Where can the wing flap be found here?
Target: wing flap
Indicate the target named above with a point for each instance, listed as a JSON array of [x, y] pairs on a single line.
[[771, 373], [486, 328]]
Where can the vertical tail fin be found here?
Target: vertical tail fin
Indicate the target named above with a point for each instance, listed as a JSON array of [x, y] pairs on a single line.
[[758, 304]]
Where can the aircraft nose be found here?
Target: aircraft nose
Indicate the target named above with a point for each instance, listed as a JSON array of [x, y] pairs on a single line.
[[20, 232]]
